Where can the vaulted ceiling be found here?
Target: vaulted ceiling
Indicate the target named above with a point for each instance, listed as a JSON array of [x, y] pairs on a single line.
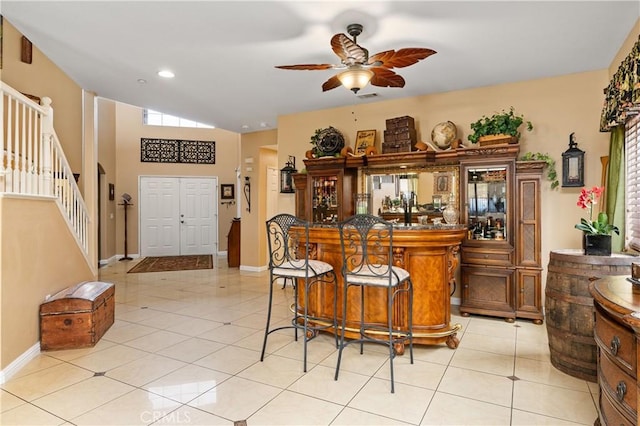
[[224, 53]]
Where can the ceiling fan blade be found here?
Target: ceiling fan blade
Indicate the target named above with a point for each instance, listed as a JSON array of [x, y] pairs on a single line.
[[401, 58], [384, 77], [307, 67], [332, 83], [348, 51]]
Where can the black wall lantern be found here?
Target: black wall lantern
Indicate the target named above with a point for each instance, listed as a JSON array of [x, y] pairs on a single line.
[[286, 180], [573, 165]]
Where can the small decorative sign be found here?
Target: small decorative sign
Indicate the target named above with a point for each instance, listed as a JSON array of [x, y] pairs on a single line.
[[26, 52], [365, 139], [177, 151]]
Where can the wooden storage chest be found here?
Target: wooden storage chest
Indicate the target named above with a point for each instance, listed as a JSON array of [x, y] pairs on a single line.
[[78, 316], [400, 122], [395, 147], [400, 135]]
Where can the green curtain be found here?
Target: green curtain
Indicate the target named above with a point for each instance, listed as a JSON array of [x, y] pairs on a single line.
[[615, 186]]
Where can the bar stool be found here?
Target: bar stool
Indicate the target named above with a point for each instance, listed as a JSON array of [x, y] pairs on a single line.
[[366, 242], [289, 247]]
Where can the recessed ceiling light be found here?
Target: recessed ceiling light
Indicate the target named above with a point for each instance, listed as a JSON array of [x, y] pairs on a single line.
[[142, 81], [166, 74], [245, 126]]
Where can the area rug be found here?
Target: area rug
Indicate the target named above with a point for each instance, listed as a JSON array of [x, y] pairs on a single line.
[[173, 263]]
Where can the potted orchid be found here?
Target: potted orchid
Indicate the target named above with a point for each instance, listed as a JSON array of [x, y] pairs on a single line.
[[596, 233]]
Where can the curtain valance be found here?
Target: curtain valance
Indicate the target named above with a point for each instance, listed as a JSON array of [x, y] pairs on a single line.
[[622, 95]]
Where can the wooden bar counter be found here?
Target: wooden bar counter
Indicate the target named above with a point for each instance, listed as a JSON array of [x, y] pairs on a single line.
[[428, 252]]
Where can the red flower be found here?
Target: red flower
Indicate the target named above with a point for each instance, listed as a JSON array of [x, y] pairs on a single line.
[[601, 226], [589, 197]]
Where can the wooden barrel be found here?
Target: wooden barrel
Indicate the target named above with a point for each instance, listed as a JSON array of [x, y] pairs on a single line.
[[569, 307]]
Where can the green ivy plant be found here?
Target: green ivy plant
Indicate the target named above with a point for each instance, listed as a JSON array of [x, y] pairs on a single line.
[[552, 175], [315, 141], [504, 122]]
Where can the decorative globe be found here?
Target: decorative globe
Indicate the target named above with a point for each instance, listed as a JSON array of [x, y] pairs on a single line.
[[443, 134]]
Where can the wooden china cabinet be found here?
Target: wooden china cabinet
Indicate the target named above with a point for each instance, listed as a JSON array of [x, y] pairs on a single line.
[[500, 258], [325, 192]]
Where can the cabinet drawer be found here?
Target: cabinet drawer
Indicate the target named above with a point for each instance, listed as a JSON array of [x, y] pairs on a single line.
[[485, 257], [620, 386], [610, 414], [616, 341]]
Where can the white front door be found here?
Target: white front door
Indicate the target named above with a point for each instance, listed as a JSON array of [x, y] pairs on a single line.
[[159, 210], [178, 216], [198, 216]]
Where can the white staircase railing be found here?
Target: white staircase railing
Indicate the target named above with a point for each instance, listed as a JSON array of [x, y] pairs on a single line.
[[33, 162]]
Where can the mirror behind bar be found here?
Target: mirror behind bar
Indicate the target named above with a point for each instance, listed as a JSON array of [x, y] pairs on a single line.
[[427, 190]]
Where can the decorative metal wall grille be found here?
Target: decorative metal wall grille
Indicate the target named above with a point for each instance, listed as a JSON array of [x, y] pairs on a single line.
[[177, 151]]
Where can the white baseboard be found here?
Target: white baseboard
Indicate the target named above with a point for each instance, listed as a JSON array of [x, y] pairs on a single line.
[[105, 262], [253, 268], [222, 254], [19, 362], [455, 301]]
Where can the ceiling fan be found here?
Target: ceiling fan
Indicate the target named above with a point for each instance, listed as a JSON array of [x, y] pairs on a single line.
[[361, 69]]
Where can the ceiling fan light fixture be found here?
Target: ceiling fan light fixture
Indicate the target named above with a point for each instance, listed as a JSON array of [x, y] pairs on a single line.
[[355, 78], [361, 68]]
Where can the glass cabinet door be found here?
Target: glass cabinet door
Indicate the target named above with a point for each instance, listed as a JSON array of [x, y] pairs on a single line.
[[487, 198], [325, 199]]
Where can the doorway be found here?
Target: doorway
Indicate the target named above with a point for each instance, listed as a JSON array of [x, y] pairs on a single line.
[[178, 216], [272, 197]]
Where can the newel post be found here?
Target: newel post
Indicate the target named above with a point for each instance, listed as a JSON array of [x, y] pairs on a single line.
[[47, 142]]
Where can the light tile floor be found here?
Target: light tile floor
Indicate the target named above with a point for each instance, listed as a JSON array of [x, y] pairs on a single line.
[[185, 350]]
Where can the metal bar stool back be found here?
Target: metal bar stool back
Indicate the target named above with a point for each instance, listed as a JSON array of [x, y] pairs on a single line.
[[366, 242], [289, 259]]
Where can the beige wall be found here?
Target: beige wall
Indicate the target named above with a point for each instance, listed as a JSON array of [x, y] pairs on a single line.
[[258, 146], [38, 257], [129, 130], [43, 78], [107, 159]]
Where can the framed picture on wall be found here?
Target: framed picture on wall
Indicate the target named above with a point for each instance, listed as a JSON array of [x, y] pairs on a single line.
[[442, 183], [227, 191], [365, 139]]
